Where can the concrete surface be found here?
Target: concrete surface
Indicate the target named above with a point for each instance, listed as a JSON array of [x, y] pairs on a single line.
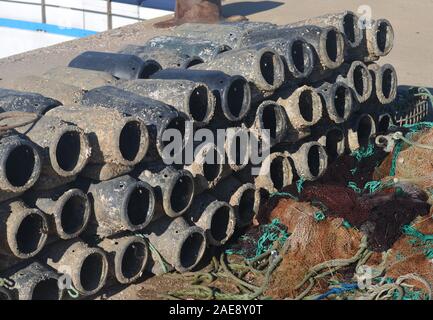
[[412, 54]]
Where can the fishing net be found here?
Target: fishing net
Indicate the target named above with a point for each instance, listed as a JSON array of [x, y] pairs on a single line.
[[412, 160], [257, 241], [311, 242]]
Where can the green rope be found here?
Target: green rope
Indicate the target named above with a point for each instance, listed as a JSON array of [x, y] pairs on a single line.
[[346, 224], [426, 240], [271, 232], [412, 295], [319, 216], [397, 148], [411, 231], [300, 185], [418, 126], [429, 253], [363, 152], [284, 194], [373, 186], [352, 185]]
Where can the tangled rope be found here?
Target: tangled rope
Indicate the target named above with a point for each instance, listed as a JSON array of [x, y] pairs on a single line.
[[426, 240], [269, 234], [200, 282], [386, 289], [317, 272], [371, 186], [260, 266], [363, 152]]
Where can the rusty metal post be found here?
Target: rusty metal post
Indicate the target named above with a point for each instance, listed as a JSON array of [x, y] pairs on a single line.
[[201, 11]]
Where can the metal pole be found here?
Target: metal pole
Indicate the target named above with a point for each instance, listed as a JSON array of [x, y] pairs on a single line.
[[43, 12], [109, 16]]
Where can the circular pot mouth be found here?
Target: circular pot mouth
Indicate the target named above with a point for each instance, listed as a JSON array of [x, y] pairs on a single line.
[[222, 224], [212, 171], [352, 32], [270, 69], [387, 84], [132, 142], [331, 48], [211, 161], [47, 289], [179, 194], [272, 117], [131, 260], [385, 121], [342, 102], [192, 248], [28, 234], [150, 67], [362, 82], [138, 206], [92, 272], [201, 105], [383, 35], [280, 172], [72, 214], [245, 201], [301, 58], [237, 148], [309, 106], [310, 161], [315, 156], [334, 143], [365, 129], [192, 61], [69, 152], [236, 100], [22, 166]]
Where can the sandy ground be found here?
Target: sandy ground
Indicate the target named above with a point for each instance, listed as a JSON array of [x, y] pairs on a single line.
[[412, 21]]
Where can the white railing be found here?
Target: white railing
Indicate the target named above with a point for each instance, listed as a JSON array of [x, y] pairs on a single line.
[[94, 15]]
